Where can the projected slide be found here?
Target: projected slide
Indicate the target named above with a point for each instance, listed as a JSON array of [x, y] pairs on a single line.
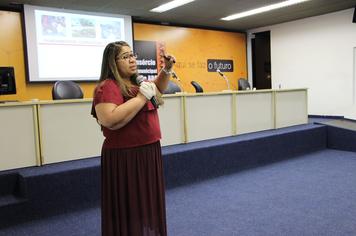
[[69, 46]]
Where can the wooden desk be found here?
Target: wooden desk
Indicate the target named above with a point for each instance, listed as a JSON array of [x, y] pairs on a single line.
[[43, 132], [19, 139], [68, 131]]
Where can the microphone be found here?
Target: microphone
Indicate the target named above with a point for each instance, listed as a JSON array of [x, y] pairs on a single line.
[[175, 76], [220, 73], [139, 79]]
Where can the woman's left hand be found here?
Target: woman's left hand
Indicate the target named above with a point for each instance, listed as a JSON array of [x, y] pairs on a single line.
[[169, 61]]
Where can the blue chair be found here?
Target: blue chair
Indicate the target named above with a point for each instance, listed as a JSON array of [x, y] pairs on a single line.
[[198, 88], [172, 88], [243, 84]]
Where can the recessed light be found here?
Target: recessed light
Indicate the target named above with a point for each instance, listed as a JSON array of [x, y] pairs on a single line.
[[170, 5], [262, 9]]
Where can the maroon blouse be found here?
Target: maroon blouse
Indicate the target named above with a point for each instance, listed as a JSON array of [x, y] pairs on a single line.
[[142, 129]]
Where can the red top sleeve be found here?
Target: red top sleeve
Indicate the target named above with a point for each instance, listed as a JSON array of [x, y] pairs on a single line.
[[108, 92]]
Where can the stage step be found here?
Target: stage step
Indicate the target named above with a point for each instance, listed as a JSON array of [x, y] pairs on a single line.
[[341, 134], [12, 191], [10, 200], [347, 143], [8, 183]]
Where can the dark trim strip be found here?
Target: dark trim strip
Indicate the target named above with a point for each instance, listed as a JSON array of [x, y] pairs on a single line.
[[12, 7], [326, 116]]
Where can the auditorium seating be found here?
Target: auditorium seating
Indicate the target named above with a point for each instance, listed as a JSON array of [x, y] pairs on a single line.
[[66, 90], [172, 88], [197, 87], [243, 84]]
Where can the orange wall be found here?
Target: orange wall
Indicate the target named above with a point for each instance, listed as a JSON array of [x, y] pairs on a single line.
[[192, 48], [12, 54]]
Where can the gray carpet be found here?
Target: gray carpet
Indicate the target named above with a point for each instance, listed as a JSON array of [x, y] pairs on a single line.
[[314, 194]]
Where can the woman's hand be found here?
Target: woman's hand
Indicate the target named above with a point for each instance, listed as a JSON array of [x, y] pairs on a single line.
[[148, 89], [169, 61], [162, 79]]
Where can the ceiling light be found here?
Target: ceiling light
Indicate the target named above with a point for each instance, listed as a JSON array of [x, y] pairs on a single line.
[[262, 9], [170, 5]]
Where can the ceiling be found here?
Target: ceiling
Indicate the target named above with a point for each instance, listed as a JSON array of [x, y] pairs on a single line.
[[200, 13]]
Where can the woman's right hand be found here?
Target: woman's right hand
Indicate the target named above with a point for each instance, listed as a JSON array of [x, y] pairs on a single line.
[[148, 89], [113, 116]]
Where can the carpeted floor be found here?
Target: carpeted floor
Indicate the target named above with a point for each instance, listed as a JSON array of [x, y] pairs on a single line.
[[313, 194]]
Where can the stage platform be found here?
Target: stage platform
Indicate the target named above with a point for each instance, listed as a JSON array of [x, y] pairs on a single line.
[[65, 188]]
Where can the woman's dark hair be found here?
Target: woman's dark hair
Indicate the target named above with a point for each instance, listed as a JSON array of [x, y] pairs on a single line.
[[109, 67]]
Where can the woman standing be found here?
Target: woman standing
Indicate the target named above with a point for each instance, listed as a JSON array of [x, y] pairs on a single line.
[[133, 200]]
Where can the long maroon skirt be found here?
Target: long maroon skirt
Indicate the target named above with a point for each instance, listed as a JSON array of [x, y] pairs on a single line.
[[133, 201]]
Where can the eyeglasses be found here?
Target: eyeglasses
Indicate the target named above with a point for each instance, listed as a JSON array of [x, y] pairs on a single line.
[[127, 56]]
